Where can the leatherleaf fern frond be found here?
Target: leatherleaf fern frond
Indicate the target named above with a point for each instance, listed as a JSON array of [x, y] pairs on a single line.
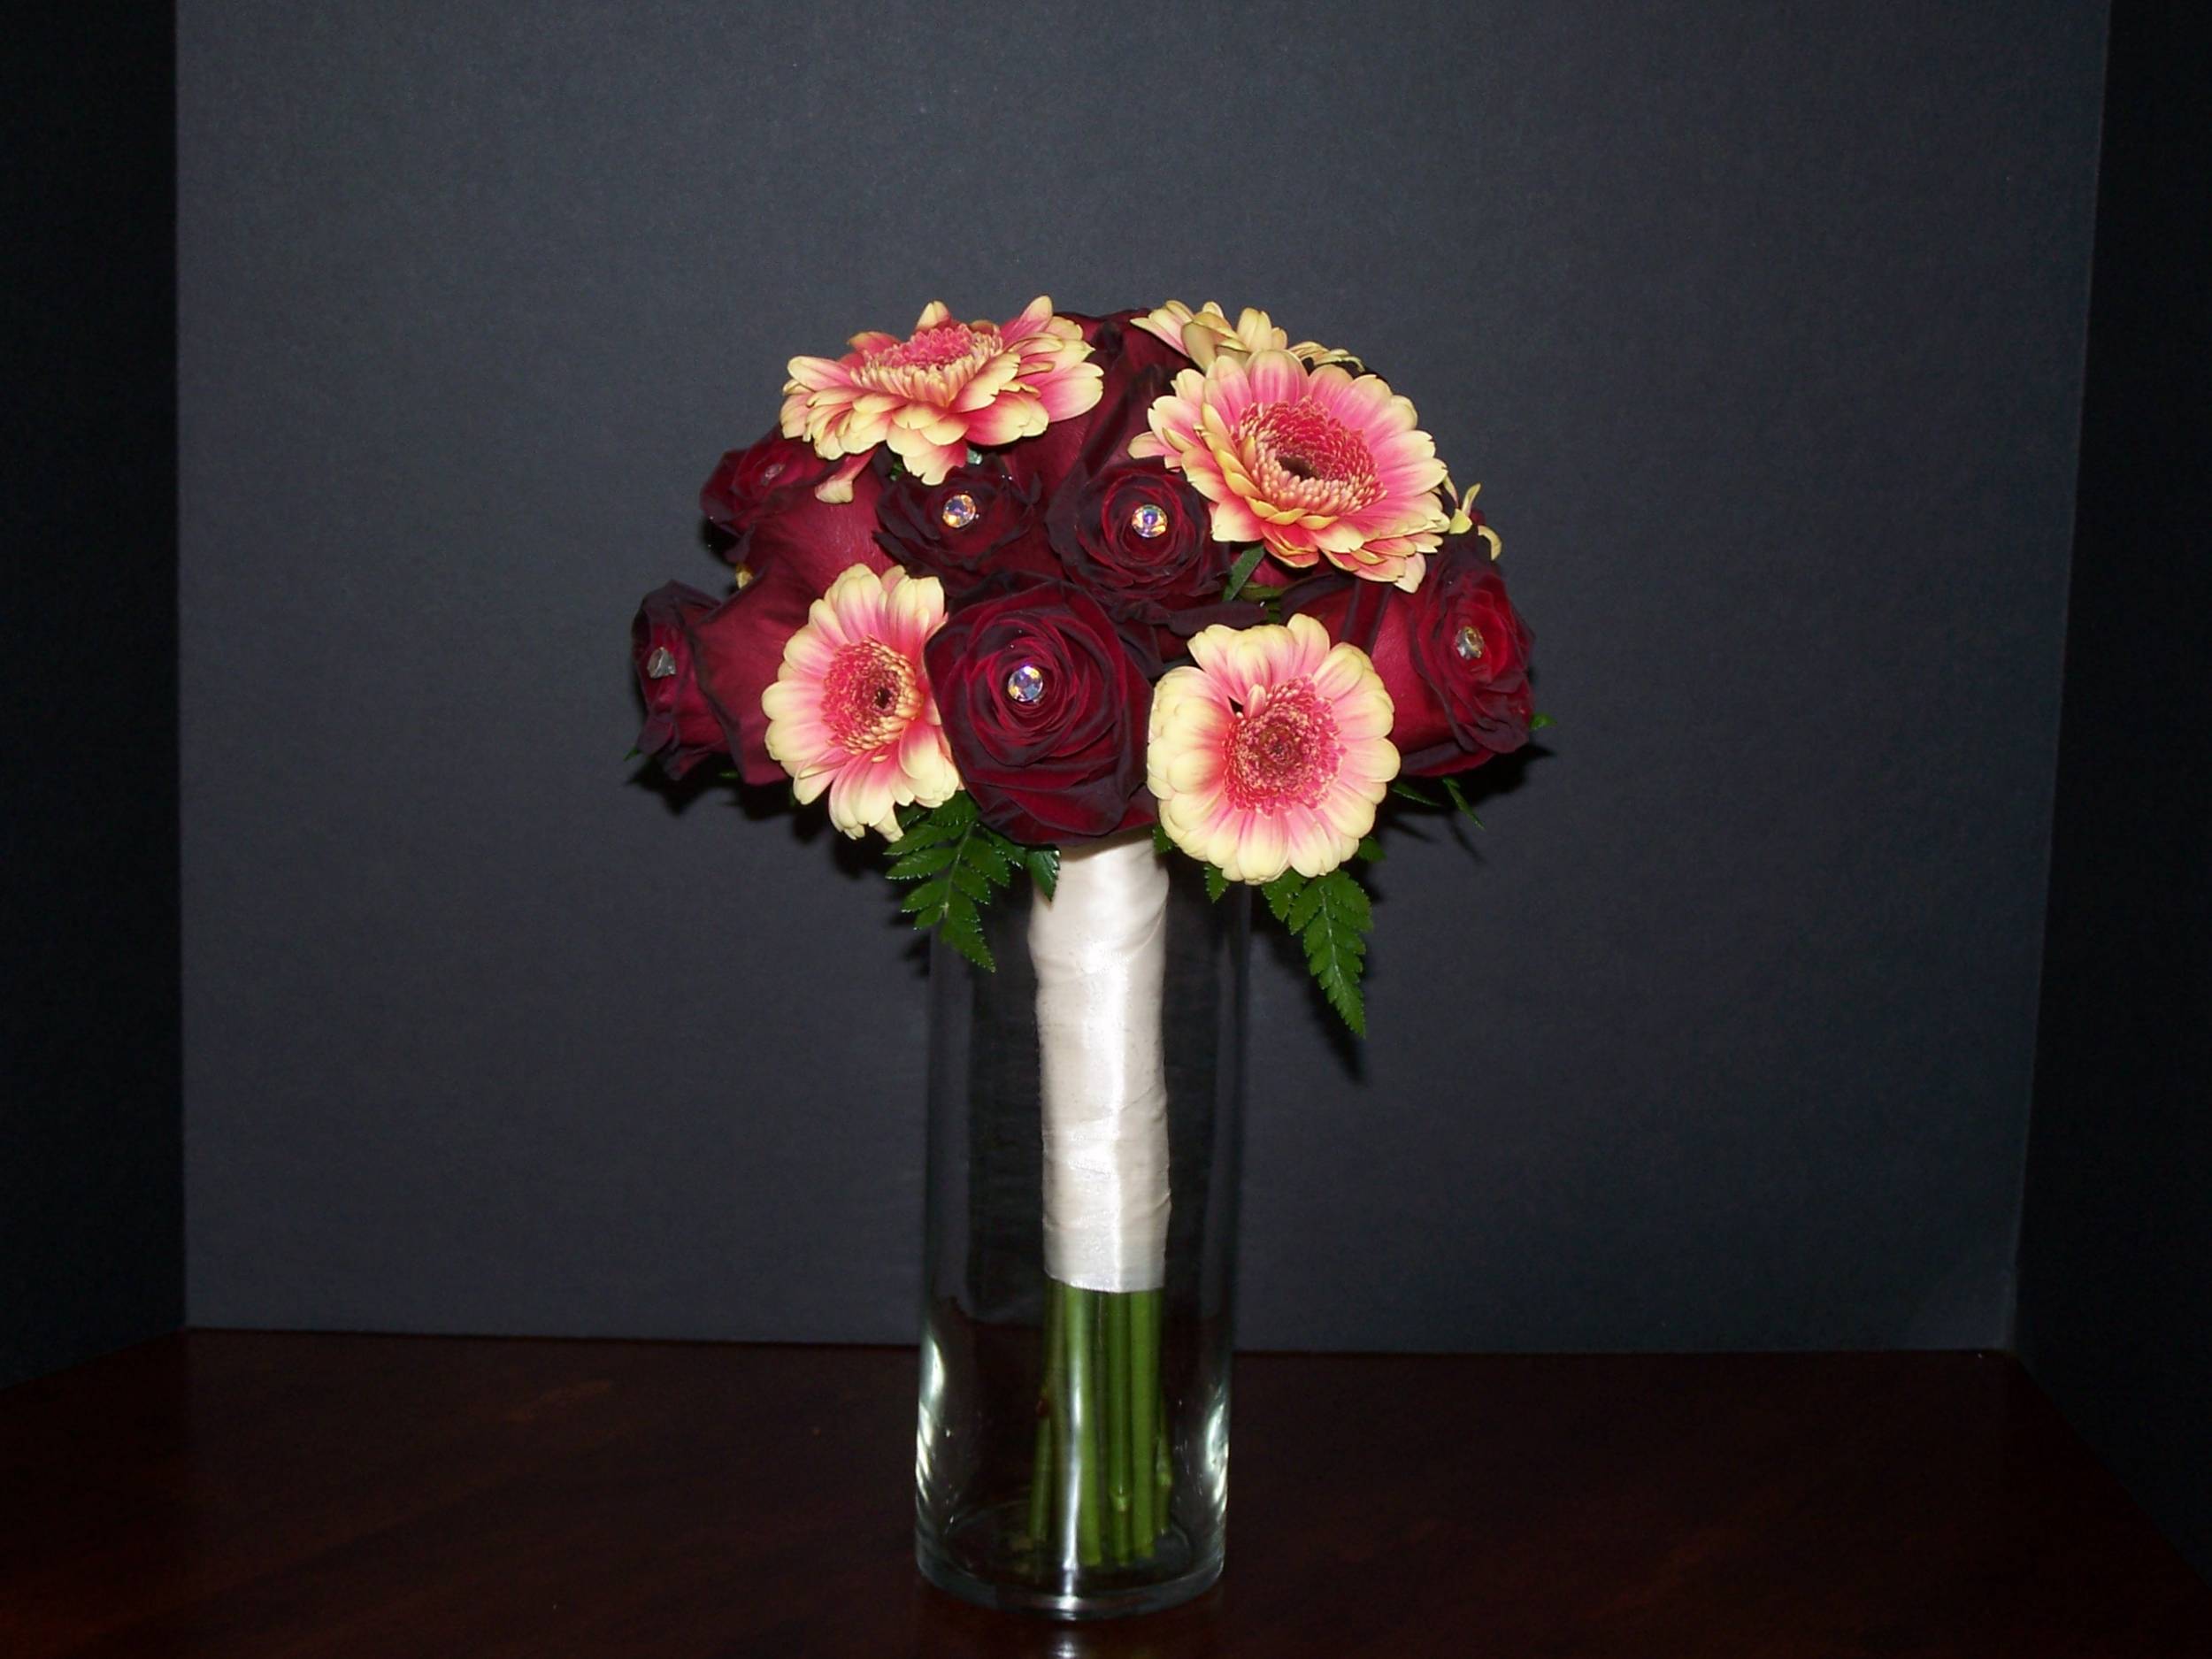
[[958, 862], [1331, 918]]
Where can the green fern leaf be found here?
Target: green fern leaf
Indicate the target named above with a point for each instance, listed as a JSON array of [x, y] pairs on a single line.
[[926, 861], [1044, 868], [1216, 883], [1350, 901], [925, 832], [958, 863], [1333, 933], [963, 929], [1281, 891], [927, 902], [987, 855]]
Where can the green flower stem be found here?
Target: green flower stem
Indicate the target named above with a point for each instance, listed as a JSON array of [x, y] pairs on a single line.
[[1099, 1480], [1163, 1464], [1144, 1397], [1120, 1453], [1083, 1424], [1051, 1431]]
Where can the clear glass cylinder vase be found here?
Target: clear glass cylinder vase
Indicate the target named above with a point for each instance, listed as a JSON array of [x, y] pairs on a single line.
[[1071, 1456]]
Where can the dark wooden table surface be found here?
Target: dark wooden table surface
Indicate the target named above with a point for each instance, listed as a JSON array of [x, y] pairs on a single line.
[[400, 1497]]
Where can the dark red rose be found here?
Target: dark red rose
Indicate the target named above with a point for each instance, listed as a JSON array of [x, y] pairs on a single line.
[[797, 546], [816, 540], [680, 725], [747, 484], [1121, 352], [980, 521], [1044, 699], [736, 648], [1134, 534], [1453, 655], [744, 480], [1141, 539], [1144, 350]]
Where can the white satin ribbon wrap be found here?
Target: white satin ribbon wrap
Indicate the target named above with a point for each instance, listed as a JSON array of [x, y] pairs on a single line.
[[1100, 946]]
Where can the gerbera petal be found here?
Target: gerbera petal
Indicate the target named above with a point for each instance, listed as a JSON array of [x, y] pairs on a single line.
[[928, 462], [816, 373], [1016, 415], [1309, 647], [838, 487], [1276, 377], [1263, 851], [1233, 520], [1073, 390], [865, 796], [1314, 845], [1035, 316]]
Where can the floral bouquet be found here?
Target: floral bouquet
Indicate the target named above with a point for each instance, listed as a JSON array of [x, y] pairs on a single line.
[[1058, 600]]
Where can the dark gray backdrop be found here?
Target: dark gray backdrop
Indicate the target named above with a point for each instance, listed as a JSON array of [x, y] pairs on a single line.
[[1762, 329]]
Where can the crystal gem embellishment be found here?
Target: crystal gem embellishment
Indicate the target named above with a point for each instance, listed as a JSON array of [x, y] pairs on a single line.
[[1468, 643], [1026, 683], [959, 511], [661, 663], [1149, 520]]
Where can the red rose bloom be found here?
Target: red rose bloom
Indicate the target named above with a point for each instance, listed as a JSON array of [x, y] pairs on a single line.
[[1137, 537], [1135, 534], [797, 547], [1044, 699], [747, 484], [680, 725], [979, 522], [815, 540], [1453, 655], [1121, 353]]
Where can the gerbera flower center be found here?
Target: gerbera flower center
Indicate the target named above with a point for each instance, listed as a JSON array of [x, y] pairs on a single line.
[[868, 695], [1300, 456], [1283, 749], [930, 363]]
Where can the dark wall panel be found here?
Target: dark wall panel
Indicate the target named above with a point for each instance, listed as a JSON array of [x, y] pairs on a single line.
[[1761, 327], [2116, 1282], [91, 1187]]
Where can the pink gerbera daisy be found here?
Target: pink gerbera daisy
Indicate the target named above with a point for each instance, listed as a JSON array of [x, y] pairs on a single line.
[[850, 711], [1271, 750], [945, 386], [1314, 463]]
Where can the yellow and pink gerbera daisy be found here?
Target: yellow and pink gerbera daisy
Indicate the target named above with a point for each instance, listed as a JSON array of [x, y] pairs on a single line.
[[850, 711], [1207, 332], [1316, 462], [1271, 750], [945, 386]]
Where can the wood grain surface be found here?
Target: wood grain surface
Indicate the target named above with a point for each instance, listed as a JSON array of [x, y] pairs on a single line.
[[387, 1497]]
